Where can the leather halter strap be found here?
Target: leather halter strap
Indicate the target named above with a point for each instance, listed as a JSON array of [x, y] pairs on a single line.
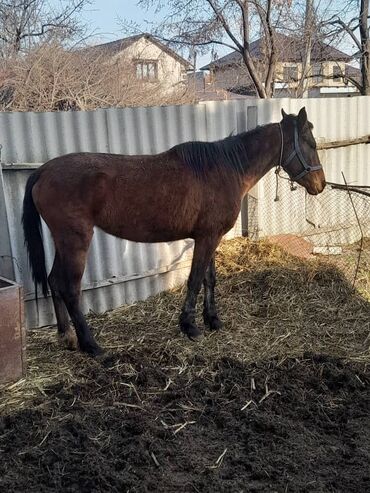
[[296, 152]]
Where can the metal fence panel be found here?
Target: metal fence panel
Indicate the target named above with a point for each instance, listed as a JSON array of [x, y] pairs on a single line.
[[38, 137], [278, 216], [155, 129], [115, 271], [119, 271], [333, 119]]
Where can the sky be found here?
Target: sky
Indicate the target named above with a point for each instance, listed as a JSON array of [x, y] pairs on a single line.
[[103, 18]]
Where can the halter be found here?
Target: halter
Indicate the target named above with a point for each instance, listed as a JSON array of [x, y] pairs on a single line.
[[295, 152], [307, 168]]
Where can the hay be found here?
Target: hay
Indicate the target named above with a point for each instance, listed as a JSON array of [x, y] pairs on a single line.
[[273, 305]]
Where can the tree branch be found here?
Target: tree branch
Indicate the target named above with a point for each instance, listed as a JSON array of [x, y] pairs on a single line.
[[345, 27], [225, 25]]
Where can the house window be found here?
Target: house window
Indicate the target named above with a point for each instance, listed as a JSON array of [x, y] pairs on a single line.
[[183, 75], [317, 73], [290, 73], [147, 70], [337, 72]]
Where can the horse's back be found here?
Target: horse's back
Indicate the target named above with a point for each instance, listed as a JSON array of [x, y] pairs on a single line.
[[141, 198]]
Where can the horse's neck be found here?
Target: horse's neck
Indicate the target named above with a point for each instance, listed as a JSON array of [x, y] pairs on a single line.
[[263, 153]]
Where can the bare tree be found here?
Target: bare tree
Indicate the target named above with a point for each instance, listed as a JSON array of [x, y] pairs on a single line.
[[51, 78], [24, 23], [308, 35], [314, 26], [201, 23], [352, 21], [365, 46]]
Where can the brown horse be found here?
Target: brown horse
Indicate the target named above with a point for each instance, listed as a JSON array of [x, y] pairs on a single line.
[[193, 190]]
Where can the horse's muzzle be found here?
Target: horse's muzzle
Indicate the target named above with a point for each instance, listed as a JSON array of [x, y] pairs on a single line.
[[316, 188]]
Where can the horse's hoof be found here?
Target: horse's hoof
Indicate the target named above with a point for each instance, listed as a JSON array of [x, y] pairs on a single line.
[[213, 323], [92, 349], [191, 330], [109, 359], [68, 339]]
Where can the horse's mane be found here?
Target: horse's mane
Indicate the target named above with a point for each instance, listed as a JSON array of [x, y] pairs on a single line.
[[231, 152]]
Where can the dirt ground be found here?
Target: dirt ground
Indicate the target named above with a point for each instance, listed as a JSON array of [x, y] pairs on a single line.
[[278, 401]]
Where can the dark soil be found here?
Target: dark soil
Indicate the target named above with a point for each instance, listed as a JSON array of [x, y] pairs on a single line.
[[278, 401], [307, 428]]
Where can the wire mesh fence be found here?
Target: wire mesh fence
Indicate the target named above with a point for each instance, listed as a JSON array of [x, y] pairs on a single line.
[[333, 226]]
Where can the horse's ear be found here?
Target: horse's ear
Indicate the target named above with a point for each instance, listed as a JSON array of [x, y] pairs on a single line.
[[302, 117], [283, 114]]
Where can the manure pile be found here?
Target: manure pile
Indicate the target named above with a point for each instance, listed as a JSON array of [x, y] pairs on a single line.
[[277, 401]]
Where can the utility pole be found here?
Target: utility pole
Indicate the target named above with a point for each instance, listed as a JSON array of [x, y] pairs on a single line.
[[306, 66], [365, 46]]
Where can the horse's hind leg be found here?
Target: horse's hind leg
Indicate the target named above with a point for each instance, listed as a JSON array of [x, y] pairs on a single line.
[[66, 333], [203, 252], [72, 253], [210, 316]]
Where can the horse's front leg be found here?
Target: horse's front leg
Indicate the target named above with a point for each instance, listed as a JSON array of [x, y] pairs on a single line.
[[210, 316], [203, 252]]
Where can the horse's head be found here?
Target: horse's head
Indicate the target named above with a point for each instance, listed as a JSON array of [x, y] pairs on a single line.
[[299, 156]]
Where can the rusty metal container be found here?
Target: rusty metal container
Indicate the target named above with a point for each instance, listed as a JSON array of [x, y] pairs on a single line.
[[12, 333]]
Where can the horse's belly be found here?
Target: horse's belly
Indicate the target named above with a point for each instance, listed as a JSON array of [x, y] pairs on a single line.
[[151, 220], [147, 235]]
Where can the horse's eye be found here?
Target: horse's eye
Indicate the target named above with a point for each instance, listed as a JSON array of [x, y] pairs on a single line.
[[312, 143]]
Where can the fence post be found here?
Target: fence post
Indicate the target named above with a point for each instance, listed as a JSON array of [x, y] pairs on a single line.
[[249, 210], [6, 258]]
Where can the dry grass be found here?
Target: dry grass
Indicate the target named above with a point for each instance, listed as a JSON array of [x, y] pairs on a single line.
[[355, 263], [273, 306], [51, 78]]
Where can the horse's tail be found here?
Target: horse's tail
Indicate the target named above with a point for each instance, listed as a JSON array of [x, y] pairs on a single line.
[[33, 237]]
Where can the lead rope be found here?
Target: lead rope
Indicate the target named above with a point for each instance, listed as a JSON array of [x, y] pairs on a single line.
[[278, 167]]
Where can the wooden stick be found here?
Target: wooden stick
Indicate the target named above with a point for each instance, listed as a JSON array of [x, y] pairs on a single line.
[[349, 188], [343, 143]]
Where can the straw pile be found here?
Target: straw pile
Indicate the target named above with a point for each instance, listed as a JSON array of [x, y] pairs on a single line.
[[273, 305], [275, 400]]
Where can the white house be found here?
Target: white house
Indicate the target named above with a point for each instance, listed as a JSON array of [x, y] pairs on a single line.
[[147, 61]]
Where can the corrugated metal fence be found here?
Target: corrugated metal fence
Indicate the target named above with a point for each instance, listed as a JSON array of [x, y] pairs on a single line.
[[119, 271], [334, 119]]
